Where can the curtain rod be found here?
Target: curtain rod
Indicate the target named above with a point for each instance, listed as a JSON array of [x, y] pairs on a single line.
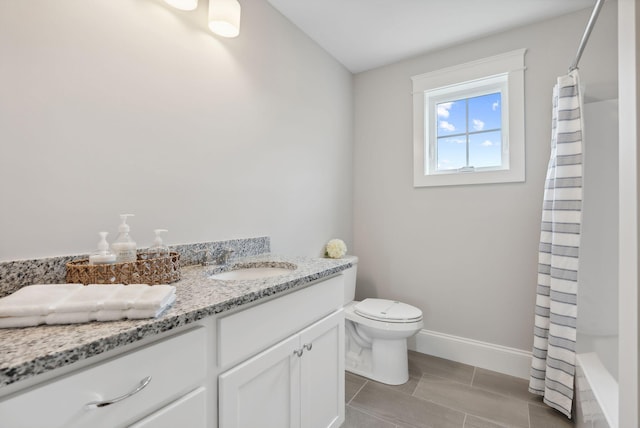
[[587, 33]]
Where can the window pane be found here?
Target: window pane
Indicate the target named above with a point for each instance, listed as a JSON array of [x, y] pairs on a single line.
[[485, 149], [452, 153], [451, 118], [485, 112]]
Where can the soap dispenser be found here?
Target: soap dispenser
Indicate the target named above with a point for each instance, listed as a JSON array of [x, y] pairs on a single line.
[[102, 256], [124, 246], [158, 249]]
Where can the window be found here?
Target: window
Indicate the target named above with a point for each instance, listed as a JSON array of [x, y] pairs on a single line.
[[469, 123]]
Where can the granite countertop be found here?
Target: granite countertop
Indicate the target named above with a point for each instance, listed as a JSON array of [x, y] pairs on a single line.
[[27, 352]]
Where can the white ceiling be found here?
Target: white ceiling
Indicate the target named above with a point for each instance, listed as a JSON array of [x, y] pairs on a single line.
[[365, 34]]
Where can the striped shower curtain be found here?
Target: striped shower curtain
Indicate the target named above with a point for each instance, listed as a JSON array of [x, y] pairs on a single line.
[[553, 362]]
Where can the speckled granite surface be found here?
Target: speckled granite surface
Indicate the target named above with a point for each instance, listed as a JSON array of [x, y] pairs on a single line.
[[18, 273], [27, 352]]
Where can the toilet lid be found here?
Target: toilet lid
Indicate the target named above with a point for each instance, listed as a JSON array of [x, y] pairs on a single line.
[[387, 310]]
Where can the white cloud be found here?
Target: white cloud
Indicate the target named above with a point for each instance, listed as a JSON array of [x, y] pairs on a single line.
[[444, 164], [478, 125], [453, 140], [447, 126], [487, 143], [443, 109], [495, 105]]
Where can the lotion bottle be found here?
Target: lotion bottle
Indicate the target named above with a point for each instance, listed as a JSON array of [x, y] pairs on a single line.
[[124, 247], [102, 256]]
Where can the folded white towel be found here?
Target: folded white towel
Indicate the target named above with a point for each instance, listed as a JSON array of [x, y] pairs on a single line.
[[87, 299], [154, 297], [113, 315], [26, 321], [74, 303], [36, 299], [125, 297], [135, 314], [68, 318]]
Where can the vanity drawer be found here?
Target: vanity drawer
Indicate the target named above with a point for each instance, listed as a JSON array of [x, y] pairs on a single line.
[[190, 411], [245, 333], [176, 365]]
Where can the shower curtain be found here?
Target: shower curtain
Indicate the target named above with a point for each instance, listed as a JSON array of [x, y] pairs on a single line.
[[553, 362]]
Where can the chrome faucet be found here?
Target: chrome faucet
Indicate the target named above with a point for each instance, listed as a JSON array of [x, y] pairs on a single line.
[[219, 257], [204, 260], [222, 256]]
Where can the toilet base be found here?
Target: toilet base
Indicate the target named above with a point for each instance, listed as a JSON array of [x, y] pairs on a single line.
[[386, 361]]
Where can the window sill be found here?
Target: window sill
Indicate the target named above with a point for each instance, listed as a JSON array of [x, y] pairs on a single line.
[[466, 178]]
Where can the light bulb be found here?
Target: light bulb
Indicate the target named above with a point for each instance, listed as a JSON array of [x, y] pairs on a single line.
[[183, 4], [224, 17]]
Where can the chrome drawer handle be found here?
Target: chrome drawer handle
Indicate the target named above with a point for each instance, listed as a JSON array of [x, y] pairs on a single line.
[[298, 352], [307, 346], [97, 404]]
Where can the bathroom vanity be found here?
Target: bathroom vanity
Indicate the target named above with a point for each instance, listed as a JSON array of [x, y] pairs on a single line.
[[241, 353]]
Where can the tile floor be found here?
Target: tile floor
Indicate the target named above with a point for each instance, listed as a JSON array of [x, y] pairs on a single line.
[[444, 394]]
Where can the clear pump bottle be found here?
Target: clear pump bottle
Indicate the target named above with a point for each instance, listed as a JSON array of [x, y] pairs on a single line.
[[158, 249], [102, 256], [124, 246]]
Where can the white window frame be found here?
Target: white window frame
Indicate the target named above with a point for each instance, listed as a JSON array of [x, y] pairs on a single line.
[[463, 91], [501, 72]]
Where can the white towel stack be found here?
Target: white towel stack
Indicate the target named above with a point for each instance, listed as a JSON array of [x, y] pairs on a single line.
[[75, 303]]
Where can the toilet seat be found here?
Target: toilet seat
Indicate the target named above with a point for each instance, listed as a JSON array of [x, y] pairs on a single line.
[[388, 311]]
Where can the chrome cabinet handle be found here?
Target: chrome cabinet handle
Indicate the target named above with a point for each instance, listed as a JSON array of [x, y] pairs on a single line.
[[306, 346], [97, 404]]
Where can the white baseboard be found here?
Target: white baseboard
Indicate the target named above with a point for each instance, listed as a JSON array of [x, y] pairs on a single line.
[[498, 358]]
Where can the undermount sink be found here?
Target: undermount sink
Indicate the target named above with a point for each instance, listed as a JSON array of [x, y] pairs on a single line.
[[248, 272]]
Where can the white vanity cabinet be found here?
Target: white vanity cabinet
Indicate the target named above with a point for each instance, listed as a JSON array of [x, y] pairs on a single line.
[[156, 383], [295, 382], [276, 363]]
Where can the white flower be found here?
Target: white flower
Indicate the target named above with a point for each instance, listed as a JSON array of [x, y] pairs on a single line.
[[336, 248]]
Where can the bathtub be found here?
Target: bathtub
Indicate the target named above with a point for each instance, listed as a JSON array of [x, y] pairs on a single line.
[[596, 404], [596, 380]]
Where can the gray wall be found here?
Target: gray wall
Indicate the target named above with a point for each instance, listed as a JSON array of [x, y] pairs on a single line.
[[465, 255], [109, 107]]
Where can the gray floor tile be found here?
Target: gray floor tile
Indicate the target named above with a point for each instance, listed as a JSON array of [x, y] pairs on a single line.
[[447, 394], [404, 410], [352, 384], [356, 419], [474, 422], [537, 400], [406, 388], [504, 385], [357, 381], [546, 417], [476, 402], [420, 364], [409, 387]]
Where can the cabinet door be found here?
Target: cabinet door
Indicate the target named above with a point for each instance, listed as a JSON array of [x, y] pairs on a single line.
[[189, 411], [322, 373], [264, 391]]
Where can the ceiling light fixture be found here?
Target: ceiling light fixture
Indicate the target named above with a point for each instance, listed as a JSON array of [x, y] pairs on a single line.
[[183, 4], [224, 17]]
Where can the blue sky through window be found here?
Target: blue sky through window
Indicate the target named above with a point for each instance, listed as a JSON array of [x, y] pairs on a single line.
[[469, 132]]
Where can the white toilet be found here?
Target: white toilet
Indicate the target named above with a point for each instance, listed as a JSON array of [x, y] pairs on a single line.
[[376, 334]]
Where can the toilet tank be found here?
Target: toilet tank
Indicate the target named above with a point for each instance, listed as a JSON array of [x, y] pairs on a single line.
[[350, 280]]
